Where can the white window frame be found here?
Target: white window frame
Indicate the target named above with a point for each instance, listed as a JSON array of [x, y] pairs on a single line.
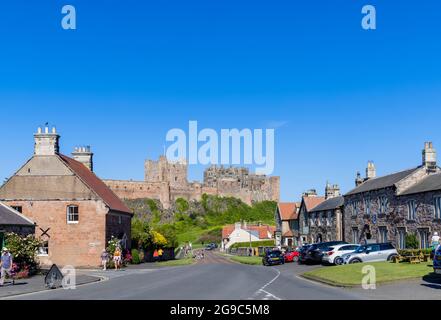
[[384, 204], [45, 248], [411, 210], [367, 206], [437, 206], [402, 238], [69, 215]]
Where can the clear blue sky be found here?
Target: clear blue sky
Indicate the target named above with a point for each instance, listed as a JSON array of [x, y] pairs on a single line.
[[340, 95]]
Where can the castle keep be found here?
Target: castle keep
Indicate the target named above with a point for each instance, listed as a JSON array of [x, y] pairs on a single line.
[[167, 181]]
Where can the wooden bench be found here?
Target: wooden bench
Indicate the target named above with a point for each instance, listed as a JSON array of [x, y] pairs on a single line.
[[410, 259]]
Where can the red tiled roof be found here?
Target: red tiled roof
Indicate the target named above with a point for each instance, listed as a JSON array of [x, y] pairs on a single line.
[[288, 211], [96, 185], [312, 202], [262, 230]]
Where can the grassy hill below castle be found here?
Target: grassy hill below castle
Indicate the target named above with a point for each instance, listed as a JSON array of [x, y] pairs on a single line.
[[199, 221]]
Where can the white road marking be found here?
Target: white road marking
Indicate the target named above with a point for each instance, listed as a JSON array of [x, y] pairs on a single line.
[[268, 294]]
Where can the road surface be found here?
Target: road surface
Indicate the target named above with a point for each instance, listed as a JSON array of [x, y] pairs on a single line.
[[217, 278]]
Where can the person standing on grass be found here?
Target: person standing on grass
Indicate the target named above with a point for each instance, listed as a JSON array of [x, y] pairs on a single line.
[[6, 266]]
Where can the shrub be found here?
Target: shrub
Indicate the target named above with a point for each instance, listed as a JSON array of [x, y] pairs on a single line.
[[23, 250], [412, 241], [414, 252], [135, 257]]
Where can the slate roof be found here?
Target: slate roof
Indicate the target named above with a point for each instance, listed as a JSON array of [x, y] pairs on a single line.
[[96, 184], [430, 183], [330, 204], [11, 217], [381, 182], [288, 211]]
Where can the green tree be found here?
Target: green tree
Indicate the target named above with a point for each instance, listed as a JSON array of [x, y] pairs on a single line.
[[412, 241]]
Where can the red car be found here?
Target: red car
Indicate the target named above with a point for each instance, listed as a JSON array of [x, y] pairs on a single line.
[[292, 256]]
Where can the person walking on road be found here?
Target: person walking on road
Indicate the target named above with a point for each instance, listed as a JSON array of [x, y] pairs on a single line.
[[117, 258], [104, 259], [160, 254], [6, 266]]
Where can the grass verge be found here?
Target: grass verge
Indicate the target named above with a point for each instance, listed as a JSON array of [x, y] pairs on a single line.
[[351, 275], [254, 261], [177, 263]]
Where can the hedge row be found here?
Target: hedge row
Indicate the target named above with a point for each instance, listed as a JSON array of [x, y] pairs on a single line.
[[414, 252], [256, 244]]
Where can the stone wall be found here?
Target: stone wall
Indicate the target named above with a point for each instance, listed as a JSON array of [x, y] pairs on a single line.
[[328, 232]]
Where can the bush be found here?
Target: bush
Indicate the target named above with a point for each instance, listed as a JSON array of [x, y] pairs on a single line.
[[135, 257], [268, 243], [414, 252], [412, 241], [23, 250]]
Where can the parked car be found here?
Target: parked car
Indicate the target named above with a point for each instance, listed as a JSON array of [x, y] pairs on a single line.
[[335, 253], [302, 253], [211, 246], [371, 253], [273, 257], [437, 261], [315, 252], [292, 256]]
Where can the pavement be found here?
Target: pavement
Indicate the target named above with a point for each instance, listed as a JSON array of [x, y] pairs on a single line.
[[218, 278]]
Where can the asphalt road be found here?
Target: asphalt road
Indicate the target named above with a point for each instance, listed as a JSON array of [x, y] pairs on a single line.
[[217, 278]]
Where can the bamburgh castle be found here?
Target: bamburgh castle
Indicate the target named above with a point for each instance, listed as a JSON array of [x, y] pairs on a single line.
[[167, 181]]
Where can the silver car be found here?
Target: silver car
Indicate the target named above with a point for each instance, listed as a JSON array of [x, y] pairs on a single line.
[[371, 253]]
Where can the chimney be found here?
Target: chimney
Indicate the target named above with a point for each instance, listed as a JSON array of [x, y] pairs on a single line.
[[84, 155], [310, 193], [429, 157], [358, 180], [46, 142], [371, 172], [332, 191]]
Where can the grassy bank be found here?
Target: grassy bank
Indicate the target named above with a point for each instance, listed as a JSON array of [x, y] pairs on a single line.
[[351, 275], [176, 263], [254, 261]]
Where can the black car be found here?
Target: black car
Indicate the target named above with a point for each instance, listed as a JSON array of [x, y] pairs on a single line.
[[211, 246], [302, 253], [273, 257], [314, 253]]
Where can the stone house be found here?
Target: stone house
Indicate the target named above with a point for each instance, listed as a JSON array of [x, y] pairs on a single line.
[[287, 223], [12, 221], [385, 209], [310, 200], [326, 219], [75, 212]]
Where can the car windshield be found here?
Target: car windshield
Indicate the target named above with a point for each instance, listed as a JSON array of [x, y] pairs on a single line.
[[274, 254]]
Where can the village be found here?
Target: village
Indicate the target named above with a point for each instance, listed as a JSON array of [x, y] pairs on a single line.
[[55, 211]]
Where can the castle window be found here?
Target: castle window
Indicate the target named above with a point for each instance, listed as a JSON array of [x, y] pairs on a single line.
[[411, 210], [384, 205], [72, 214], [367, 206], [437, 202]]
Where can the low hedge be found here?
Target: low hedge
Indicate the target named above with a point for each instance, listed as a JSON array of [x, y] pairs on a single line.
[[256, 244], [414, 252]]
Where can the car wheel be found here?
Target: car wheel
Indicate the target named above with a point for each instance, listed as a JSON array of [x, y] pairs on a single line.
[[354, 261], [338, 261], [391, 257]]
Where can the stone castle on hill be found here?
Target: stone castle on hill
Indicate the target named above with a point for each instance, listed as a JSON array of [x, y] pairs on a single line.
[[167, 181]]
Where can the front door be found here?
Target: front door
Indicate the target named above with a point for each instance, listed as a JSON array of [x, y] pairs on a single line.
[[289, 242]]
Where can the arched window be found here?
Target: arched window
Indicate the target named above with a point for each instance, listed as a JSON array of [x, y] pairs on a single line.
[[73, 214]]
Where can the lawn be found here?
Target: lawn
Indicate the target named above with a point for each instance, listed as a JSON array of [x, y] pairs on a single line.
[[255, 261], [351, 275], [177, 263]]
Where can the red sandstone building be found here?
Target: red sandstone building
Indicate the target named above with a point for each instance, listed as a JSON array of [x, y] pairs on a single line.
[[75, 212]]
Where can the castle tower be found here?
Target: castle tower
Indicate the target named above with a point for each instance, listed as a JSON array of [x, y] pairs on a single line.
[[429, 157], [46, 142], [371, 172], [84, 155]]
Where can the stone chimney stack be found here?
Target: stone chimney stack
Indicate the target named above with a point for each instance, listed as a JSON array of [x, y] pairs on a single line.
[[46, 142], [358, 180], [332, 191], [429, 157], [371, 172], [84, 155], [310, 193]]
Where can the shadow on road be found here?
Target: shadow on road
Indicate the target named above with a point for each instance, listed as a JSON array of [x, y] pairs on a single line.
[[433, 281]]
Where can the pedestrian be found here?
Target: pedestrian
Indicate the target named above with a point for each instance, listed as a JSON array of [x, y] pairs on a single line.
[[156, 255], [5, 266], [435, 241], [104, 259], [160, 254], [117, 258]]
